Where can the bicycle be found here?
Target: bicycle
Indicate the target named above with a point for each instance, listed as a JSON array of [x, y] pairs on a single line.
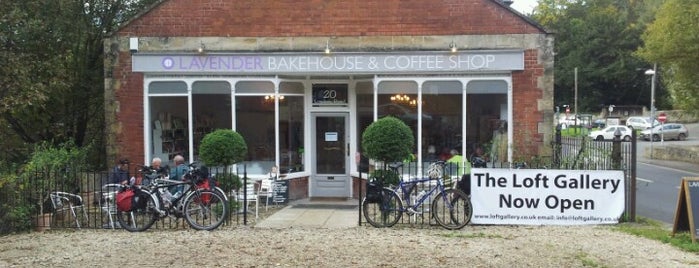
[[149, 174], [201, 207], [451, 208]]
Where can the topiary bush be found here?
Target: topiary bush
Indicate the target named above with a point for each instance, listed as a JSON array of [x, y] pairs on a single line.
[[223, 147], [388, 140]]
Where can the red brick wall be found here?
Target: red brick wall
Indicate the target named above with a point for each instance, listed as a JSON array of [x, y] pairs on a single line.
[[298, 188], [290, 18], [526, 95], [257, 18], [129, 95]]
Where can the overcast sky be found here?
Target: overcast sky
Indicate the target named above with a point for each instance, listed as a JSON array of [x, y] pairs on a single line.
[[524, 6]]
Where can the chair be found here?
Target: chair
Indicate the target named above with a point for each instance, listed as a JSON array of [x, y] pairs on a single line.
[[266, 191], [63, 202], [248, 195], [108, 202]]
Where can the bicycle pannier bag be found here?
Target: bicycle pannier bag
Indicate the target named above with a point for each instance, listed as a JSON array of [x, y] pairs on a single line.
[[373, 192], [124, 199], [465, 184], [204, 184], [139, 200]]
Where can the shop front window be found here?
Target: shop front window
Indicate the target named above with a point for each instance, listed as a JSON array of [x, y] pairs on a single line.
[[291, 135], [441, 125], [399, 99], [365, 116], [211, 106], [442, 133], [254, 112], [169, 119], [487, 118]]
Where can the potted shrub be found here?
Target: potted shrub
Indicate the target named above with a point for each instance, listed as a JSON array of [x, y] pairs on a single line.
[[387, 140], [224, 147]]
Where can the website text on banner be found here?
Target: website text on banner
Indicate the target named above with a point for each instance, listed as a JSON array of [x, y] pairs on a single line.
[[546, 197]]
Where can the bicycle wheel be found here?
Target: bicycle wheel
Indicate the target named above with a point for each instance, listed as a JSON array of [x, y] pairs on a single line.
[[384, 213], [139, 219], [452, 209], [205, 210]]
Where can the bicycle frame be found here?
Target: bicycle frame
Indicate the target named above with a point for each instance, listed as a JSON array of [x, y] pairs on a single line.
[[411, 185]]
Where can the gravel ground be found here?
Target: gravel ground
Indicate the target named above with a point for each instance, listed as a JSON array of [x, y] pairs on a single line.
[[364, 246]]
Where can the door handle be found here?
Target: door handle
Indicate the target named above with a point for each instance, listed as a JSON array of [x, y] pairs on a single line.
[[348, 149]]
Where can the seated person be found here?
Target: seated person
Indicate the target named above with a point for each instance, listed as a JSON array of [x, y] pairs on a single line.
[[431, 154], [177, 174], [478, 158], [120, 173], [154, 171]]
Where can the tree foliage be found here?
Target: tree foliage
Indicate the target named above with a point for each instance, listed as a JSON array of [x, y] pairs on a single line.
[[388, 139], [598, 38], [672, 40], [223, 147], [51, 71]]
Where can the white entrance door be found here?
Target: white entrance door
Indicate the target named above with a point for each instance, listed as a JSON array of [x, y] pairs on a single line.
[[330, 155]]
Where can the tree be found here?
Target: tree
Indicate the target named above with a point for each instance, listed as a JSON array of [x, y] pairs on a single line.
[[599, 39], [223, 147], [672, 40], [388, 140], [51, 71]]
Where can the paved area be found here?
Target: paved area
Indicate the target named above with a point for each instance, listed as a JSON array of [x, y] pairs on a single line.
[[309, 213]]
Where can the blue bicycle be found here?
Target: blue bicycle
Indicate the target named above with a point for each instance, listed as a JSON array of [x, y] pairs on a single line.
[[384, 206]]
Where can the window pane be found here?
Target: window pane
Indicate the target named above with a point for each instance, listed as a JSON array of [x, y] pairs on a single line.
[[259, 87], [211, 105], [365, 115], [255, 122], [399, 99], [486, 118], [169, 135], [291, 134], [167, 87], [442, 117]]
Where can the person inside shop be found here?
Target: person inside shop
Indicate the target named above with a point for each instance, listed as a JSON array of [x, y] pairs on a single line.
[[478, 157], [431, 154], [445, 154], [458, 163], [120, 173]]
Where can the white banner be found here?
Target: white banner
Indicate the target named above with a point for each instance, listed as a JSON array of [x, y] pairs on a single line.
[[546, 197]]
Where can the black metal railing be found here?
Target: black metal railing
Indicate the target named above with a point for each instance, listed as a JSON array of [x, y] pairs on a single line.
[[27, 200]]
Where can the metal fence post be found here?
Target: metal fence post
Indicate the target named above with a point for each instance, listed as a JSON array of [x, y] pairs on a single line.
[[557, 148], [616, 150]]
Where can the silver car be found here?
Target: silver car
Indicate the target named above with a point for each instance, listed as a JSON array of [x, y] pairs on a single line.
[[672, 131]]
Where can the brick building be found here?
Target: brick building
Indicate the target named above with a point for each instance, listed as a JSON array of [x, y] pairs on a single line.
[[300, 80]]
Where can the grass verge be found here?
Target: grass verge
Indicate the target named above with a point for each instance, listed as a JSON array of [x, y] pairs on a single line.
[[655, 230]]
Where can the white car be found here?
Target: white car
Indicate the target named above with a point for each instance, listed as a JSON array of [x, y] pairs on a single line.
[[607, 133], [640, 122]]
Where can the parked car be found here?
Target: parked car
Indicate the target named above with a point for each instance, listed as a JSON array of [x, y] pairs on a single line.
[[640, 122], [599, 123], [607, 133], [672, 131]]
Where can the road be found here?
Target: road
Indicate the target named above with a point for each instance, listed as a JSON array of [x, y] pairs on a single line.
[[658, 181]]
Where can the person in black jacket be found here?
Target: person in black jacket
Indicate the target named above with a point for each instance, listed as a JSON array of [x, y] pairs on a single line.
[[120, 173]]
